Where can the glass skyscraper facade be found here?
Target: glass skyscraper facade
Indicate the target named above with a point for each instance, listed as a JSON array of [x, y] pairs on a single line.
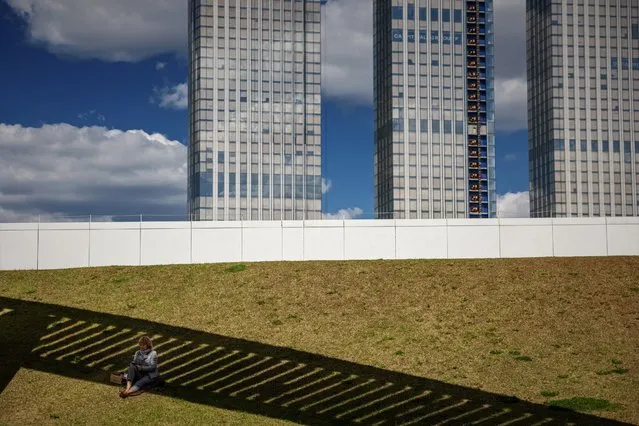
[[254, 110], [583, 107], [434, 109]]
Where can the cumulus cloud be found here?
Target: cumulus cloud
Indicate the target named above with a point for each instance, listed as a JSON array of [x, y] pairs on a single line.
[[113, 30], [344, 214], [513, 204], [175, 97], [347, 67], [510, 65], [511, 104], [59, 170]]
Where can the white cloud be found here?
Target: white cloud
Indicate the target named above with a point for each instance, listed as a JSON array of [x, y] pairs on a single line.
[[511, 104], [60, 169], [513, 204], [344, 214], [326, 185], [113, 30], [85, 116], [347, 50], [160, 66], [510, 157], [175, 97], [510, 65]]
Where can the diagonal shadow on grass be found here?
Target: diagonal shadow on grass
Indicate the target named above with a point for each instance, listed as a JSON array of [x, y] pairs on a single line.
[[249, 376]]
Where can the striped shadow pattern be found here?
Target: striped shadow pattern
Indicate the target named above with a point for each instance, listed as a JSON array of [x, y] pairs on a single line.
[[267, 380]]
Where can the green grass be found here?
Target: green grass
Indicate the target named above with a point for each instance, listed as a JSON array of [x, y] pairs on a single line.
[[121, 279], [346, 310], [236, 268], [585, 404], [523, 358], [549, 394]]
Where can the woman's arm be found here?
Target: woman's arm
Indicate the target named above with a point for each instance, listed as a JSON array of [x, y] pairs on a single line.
[[151, 362]]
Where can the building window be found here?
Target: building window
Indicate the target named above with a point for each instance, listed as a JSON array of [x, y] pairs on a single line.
[[447, 127], [433, 14], [397, 12]]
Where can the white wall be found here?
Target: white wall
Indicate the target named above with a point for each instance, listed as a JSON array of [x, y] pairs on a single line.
[[526, 238], [421, 239], [18, 246], [114, 244], [63, 245], [623, 236], [70, 245]]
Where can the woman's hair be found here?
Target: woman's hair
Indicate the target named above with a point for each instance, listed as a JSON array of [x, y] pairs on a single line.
[[146, 341]]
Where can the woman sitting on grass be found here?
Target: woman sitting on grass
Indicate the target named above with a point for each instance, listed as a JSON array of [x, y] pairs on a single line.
[[143, 371]]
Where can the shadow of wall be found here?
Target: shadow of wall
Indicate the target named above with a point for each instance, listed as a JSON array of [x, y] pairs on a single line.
[[249, 376]]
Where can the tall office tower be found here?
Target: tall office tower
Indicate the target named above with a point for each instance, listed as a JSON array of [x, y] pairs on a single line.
[[254, 110], [434, 109], [583, 107]]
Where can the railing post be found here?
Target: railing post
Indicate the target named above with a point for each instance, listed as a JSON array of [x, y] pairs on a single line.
[[606, 225], [89, 248], [140, 242], [38, 246]]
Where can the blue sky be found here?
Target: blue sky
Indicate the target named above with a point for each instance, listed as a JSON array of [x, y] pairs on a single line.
[[87, 101]]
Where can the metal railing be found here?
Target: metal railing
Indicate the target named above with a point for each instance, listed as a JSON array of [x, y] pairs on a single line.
[[344, 214]]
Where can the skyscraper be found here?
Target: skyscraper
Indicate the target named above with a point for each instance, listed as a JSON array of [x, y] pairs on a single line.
[[583, 107], [254, 110], [434, 109]]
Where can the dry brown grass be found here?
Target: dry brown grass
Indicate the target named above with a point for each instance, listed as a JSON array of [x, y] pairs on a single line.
[[439, 319]]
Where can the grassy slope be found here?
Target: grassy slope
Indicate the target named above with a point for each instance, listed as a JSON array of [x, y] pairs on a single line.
[[36, 398], [437, 319]]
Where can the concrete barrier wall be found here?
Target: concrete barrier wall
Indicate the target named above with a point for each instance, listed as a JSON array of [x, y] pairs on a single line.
[[72, 245]]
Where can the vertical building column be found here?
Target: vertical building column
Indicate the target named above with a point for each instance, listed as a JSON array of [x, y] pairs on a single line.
[[476, 98]]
